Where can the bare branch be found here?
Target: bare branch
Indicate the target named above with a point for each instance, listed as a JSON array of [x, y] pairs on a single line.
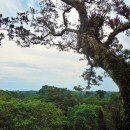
[[71, 2], [63, 31], [65, 46], [118, 30], [46, 35], [65, 11]]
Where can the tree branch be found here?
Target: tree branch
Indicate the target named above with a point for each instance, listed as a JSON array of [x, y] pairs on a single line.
[[118, 30], [65, 11], [63, 31], [73, 3], [46, 35]]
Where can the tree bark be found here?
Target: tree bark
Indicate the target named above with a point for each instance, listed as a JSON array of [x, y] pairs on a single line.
[[116, 67]]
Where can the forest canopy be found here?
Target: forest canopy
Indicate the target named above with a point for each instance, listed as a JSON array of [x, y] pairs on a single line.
[[59, 108]]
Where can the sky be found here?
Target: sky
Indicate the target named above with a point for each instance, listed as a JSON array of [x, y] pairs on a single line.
[[31, 68]]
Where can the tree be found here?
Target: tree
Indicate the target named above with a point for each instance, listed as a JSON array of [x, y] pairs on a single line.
[[114, 112], [87, 37], [30, 115], [62, 97], [85, 117], [100, 93]]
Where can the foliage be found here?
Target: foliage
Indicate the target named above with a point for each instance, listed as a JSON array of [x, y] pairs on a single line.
[[114, 112], [83, 117], [62, 97], [29, 94], [100, 93], [96, 101], [18, 114], [8, 95], [101, 119], [31, 112]]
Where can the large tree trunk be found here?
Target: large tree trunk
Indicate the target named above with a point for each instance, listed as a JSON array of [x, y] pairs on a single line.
[[116, 67]]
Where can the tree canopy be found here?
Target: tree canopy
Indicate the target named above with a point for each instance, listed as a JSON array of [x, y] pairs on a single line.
[[100, 93], [24, 110], [62, 97]]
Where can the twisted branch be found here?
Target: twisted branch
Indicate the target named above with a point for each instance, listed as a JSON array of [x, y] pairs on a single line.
[[118, 30], [64, 19], [63, 31]]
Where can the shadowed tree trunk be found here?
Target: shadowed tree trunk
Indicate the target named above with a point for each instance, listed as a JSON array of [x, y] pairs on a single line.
[[115, 66], [119, 71]]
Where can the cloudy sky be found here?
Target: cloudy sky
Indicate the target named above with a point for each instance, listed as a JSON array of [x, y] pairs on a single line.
[[31, 68]]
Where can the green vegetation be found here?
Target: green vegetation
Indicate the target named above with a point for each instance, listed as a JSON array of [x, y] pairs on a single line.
[[53, 108], [82, 117], [29, 114]]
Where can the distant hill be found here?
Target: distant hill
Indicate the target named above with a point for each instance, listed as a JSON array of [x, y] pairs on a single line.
[[92, 93], [33, 93], [30, 93]]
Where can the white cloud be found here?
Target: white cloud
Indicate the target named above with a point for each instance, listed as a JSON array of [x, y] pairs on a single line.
[[31, 3], [39, 63], [124, 40], [11, 7]]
